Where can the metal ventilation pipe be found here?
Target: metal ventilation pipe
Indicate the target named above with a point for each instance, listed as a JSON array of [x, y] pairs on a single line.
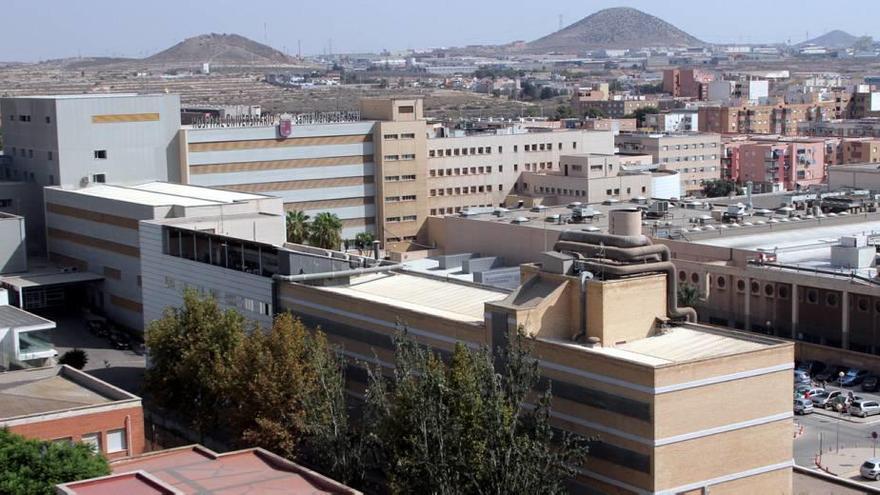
[[623, 241], [641, 254], [672, 308]]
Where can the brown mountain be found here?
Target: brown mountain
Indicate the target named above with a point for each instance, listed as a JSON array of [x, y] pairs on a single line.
[[221, 49], [620, 27]]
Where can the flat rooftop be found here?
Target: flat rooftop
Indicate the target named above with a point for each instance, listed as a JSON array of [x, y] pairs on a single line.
[[197, 470], [166, 194], [40, 391], [12, 317], [682, 344], [423, 294]]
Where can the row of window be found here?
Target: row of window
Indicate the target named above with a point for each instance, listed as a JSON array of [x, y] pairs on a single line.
[[578, 192], [487, 150], [455, 191], [398, 239], [689, 146], [400, 178], [404, 218], [28, 153], [114, 441], [693, 158], [406, 135], [229, 299], [455, 209], [27, 118], [395, 199], [394, 158]]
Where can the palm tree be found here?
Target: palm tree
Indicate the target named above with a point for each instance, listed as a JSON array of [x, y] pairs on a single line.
[[297, 227], [326, 231], [364, 240]]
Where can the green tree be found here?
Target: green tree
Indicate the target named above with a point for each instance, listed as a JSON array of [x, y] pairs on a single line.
[[718, 188], [34, 467], [289, 397], [191, 356], [74, 357], [364, 240], [297, 227], [639, 114], [462, 427], [594, 113], [326, 231], [564, 112], [688, 295]]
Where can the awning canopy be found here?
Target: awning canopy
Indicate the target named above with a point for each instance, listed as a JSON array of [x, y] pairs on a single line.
[[44, 279]]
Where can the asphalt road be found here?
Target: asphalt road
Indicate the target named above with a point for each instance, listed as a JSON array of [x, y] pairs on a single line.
[[832, 431]]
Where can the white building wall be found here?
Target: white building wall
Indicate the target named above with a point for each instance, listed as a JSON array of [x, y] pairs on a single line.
[[165, 278], [665, 186]]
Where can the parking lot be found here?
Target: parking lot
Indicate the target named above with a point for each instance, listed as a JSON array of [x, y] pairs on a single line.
[[122, 368]]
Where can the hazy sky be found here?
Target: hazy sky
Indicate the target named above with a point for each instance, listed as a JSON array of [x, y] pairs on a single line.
[[42, 29]]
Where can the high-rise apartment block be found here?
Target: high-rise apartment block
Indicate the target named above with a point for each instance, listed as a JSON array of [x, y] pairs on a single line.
[[696, 157]]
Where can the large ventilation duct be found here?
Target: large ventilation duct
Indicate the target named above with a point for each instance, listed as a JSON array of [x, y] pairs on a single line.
[[625, 252]]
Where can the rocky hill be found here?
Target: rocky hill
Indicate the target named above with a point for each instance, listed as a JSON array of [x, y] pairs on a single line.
[[220, 49], [620, 27], [833, 39]]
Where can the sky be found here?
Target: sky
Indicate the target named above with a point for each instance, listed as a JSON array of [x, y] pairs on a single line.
[[43, 29]]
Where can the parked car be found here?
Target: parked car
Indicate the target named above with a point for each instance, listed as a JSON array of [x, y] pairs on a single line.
[[801, 376], [871, 383], [811, 367], [829, 374], [803, 406], [821, 400], [871, 469], [853, 377], [98, 328], [811, 391], [120, 340], [864, 408], [841, 403]]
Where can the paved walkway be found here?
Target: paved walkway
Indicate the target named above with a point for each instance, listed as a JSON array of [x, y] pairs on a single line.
[[870, 420], [846, 463]]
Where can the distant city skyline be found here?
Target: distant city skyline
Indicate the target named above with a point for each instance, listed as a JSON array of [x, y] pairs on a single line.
[[47, 29]]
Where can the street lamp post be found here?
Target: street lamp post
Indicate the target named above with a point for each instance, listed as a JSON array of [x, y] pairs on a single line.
[[840, 385]]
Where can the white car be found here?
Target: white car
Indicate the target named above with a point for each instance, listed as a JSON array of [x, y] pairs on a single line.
[[871, 469], [864, 408]]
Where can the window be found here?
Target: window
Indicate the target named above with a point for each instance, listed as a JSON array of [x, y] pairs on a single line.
[[390, 136], [93, 440], [50, 156], [409, 218], [408, 136], [392, 178], [100, 154], [48, 119], [407, 177], [406, 109], [392, 219], [116, 441], [5, 203], [501, 168], [390, 158], [99, 178], [392, 199], [407, 157], [63, 440], [500, 149], [30, 153], [409, 197]]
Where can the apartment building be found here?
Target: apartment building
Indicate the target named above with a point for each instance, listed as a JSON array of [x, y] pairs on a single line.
[[864, 103], [780, 118], [96, 230], [784, 165], [594, 178], [647, 393], [615, 125], [688, 83], [843, 128], [482, 170], [696, 157], [63, 404], [864, 150], [739, 90], [617, 107], [673, 121]]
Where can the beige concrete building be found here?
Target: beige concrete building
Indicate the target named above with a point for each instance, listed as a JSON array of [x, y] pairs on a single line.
[[593, 178], [696, 157], [482, 170], [640, 379]]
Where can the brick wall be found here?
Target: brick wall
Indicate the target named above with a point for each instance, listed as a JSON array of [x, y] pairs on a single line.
[[130, 418]]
